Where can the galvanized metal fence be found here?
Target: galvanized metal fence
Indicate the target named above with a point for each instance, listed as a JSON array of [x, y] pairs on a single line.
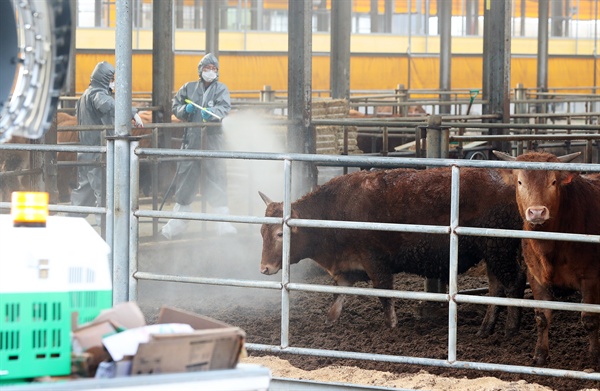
[[125, 283], [285, 286]]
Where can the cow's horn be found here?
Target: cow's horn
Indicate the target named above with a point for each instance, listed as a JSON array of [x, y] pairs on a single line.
[[504, 156], [569, 157], [266, 199]]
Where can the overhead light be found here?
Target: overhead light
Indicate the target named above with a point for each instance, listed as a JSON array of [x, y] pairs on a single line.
[[36, 40]]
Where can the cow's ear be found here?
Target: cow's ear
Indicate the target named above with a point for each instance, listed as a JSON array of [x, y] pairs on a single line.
[[507, 176], [266, 199], [567, 177]]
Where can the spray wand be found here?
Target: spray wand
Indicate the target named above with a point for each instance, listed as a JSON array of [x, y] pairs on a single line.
[[203, 109]]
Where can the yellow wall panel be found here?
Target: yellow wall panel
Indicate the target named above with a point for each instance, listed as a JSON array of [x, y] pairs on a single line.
[[560, 72], [375, 73], [424, 73], [523, 71], [467, 73], [250, 72]]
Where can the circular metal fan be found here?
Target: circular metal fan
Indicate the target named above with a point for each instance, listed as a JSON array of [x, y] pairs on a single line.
[[36, 39]]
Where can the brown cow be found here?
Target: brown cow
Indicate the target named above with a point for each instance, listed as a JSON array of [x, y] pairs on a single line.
[[408, 197], [66, 179], [560, 201]]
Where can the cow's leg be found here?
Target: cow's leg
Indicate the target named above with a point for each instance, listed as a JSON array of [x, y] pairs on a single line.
[[384, 279], [590, 291], [515, 290], [338, 299], [507, 277], [543, 318], [492, 312]]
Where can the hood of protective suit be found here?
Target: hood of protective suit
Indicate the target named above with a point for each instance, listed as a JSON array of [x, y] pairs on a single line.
[[208, 59], [102, 75]]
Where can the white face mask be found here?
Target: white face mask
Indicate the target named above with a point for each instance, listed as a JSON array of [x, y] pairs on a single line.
[[209, 75], [111, 85]]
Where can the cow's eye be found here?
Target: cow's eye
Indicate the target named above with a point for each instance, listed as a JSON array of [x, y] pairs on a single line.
[[554, 182], [519, 182], [279, 234]]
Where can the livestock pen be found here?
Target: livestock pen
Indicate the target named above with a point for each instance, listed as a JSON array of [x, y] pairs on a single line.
[[287, 286], [217, 271]]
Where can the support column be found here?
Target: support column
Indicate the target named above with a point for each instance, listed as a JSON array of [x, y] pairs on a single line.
[[162, 60], [496, 65], [445, 12], [339, 69], [120, 244], [437, 147], [70, 82], [542, 54], [301, 134], [211, 14]]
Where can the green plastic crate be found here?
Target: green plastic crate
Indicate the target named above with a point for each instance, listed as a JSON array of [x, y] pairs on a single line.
[[34, 335], [88, 304]]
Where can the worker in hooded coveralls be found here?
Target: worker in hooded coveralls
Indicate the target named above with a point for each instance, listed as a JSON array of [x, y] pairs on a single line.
[[213, 96], [96, 106]]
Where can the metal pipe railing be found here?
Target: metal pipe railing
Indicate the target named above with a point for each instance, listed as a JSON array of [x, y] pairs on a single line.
[[453, 297]]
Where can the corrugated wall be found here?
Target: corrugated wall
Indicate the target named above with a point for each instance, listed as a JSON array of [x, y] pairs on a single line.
[[243, 72]]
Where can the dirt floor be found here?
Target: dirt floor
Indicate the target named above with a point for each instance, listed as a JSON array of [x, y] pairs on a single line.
[[360, 328]]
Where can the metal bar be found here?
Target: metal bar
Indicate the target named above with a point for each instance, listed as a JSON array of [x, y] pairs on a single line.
[[207, 281], [409, 295], [371, 161], [285, 267], [123, 58], [453, 268], [109, 221], [552, 305], [507, 233], [134, 186]]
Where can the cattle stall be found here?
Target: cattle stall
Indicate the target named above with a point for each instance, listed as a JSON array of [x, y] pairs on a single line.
[[203, 273], [144, 272]]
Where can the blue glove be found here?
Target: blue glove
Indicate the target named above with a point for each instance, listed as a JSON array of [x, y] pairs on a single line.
[[206, 114], [190, 108]]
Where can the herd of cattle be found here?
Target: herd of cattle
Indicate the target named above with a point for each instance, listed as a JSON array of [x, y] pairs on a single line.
[[531, 200]]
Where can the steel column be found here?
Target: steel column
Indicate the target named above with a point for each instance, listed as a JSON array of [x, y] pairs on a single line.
[[211, 14], [121, 162], [301, 135], [445, 11], [437, 147], [162, 61], [339, 69], [374, 14], [496, 64], [542, 54]]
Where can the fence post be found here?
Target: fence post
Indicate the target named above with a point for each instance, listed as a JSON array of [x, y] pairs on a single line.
[[437, 147], [267, 94], [401, 97]]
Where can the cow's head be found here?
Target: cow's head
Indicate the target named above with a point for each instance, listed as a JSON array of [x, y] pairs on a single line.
[[272, 235], [539, 191]]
